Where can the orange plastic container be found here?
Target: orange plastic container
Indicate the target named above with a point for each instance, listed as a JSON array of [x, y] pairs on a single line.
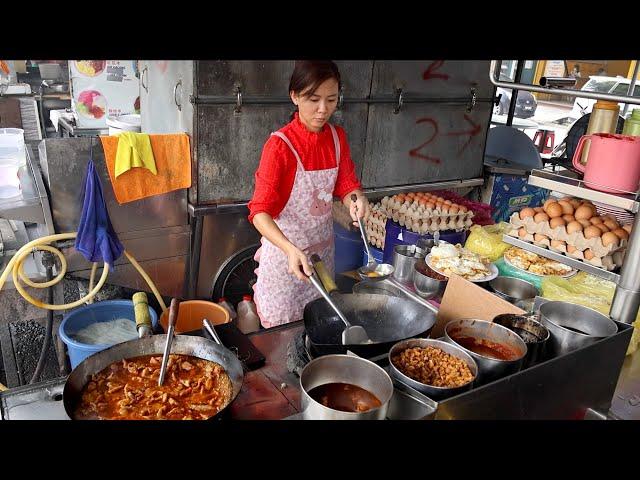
[[192, 312]]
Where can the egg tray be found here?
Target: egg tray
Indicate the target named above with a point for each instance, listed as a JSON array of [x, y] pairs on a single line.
[[575, 239], [608, 262], [424, 221]]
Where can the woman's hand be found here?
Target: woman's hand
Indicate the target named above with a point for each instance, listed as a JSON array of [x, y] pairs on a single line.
[[359, 208], [298, 263]]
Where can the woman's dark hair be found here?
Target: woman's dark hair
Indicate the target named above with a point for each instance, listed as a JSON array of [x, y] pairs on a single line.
[[309, 74]]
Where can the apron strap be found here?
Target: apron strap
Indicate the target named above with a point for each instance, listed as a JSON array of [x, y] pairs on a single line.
[[336, 143], [286, 140]]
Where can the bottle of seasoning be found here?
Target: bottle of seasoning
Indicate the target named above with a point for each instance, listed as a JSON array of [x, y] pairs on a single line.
[[632, 124], [141, 311], [603, 119]]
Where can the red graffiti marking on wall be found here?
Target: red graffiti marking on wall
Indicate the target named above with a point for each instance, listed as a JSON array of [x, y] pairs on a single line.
[[475, 130], [430, 72], [416, 151]]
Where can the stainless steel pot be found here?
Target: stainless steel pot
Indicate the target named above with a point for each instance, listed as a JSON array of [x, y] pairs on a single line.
[[404, 258], [574, 326], [182, 344], [534, 334], [344, 369], [513, 289], [436, 393], [426, 286], [489, 369]]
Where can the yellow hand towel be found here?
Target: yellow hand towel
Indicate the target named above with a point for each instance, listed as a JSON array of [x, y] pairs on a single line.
[[134, 150]]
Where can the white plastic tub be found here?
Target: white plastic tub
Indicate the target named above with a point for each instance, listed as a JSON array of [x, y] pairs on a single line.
[[124, 123], [12, 157]]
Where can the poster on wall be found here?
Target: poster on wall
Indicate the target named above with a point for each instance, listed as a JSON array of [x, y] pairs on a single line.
[[102, 89], [554, 68]]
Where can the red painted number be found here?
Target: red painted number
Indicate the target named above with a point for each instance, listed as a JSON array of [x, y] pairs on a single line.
[[416, 151], [430, 72]]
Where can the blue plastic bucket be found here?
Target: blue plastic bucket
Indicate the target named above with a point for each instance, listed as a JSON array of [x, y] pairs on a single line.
[[89, 314], [348, 249]]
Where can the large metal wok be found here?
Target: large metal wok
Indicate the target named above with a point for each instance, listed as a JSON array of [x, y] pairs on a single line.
[[386, 319], [198, 347]]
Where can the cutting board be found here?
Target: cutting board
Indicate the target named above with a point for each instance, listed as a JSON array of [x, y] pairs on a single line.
[[464, 299]]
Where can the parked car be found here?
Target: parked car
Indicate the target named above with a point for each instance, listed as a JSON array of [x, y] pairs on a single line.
[[526, 103], [600, 84]]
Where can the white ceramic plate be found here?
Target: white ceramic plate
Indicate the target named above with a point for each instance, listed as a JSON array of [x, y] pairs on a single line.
[[492, 268], [566, 275]]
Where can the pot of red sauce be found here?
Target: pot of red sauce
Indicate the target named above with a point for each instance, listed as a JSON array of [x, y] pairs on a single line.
[[344, 387], [497, 350]]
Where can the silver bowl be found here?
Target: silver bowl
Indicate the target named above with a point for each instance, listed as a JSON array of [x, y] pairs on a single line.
[[574, 326], [426, 286], [489, 368], [436, 393], [513, 289], [534, 334]]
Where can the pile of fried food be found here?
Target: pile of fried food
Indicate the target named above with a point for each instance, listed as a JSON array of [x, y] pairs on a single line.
[[534, 263], [447, 259], [432, 366], [193, 389]]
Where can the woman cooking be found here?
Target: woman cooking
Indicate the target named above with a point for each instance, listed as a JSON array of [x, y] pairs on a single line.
[[303, 166]]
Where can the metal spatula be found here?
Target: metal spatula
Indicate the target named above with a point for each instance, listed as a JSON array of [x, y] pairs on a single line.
[[173, 318], [352, 334]]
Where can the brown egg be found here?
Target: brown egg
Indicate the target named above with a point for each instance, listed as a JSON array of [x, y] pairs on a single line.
[[611, 224], [583, 212], [444, 208], [522, 232], [595, 220], [621, 233], [603, 228], [558, 244], [627, 227], [440, 199], [447, 202], [453, 209], [527, 212], [422, 201], [574, 227], [571, 249], [463, 209], [541, 217], [610, 238], [538, 209], [430, 205], [554, 210], [588, 254], [538, 237], [567, 208], [411, 194], [568, 218], [584, 223], [575, 203], [547, 202], [592, 232], [557, 222]]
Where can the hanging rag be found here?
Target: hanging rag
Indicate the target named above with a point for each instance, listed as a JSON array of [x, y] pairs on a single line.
[[96, 239], [134, 150], [173, 161]]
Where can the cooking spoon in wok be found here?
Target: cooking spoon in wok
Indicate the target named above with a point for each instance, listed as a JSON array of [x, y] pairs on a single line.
[[173, 318], [352, 334]]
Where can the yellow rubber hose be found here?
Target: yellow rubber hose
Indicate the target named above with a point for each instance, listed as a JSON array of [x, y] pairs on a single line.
[[15, 267]]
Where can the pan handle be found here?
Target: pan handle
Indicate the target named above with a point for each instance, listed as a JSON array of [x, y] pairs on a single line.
[[323, 274]]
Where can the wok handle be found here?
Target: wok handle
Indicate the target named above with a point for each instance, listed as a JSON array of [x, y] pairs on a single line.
[[323, 274]]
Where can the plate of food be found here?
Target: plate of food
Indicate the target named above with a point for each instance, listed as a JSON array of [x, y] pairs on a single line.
[[447, 259], [91, 68], [530, 262], [91, 104]]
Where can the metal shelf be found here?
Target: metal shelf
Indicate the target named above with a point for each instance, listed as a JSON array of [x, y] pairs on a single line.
[[559, 257], [575, 187]]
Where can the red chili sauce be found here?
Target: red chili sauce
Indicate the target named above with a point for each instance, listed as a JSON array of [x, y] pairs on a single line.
[[487, 348], [344, 397]]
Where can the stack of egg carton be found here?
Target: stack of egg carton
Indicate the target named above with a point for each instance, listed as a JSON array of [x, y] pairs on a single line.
[[573, 227], [426, 213]]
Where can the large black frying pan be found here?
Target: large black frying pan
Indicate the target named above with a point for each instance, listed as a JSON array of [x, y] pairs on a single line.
[[386, 319]]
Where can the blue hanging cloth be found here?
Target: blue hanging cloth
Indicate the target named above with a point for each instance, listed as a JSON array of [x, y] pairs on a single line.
[[96, 240]]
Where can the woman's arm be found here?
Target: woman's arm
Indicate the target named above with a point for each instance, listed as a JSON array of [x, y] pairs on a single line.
[[357, 209], [267, 227]]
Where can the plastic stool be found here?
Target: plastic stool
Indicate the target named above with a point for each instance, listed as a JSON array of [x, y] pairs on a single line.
[[544, 140]]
